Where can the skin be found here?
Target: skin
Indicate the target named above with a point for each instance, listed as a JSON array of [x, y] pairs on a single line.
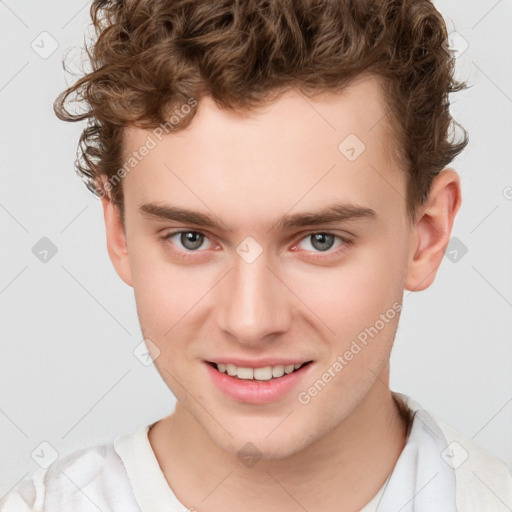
[[248, 170]]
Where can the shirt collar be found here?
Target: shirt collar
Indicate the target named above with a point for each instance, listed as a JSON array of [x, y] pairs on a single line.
[[421, 480]]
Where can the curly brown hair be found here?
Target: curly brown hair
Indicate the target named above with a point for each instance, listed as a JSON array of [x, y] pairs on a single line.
[[151, 57]]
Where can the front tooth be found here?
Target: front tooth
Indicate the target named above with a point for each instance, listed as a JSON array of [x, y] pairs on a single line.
[[289, 368], [278, 371], [263, 373], [245, 373]]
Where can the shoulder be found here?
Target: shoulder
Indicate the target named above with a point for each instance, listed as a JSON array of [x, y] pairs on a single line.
[[482, 478], [85, 480], [483, 481], [27, 496]]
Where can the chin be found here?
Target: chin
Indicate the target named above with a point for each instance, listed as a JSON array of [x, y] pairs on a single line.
[[277, 446]]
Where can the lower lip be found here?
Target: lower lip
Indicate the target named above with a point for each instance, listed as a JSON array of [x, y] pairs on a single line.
[[256, 391]]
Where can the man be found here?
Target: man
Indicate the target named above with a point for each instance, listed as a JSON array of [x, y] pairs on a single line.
[[273, 177]]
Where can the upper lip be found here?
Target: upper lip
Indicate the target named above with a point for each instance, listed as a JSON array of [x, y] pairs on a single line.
[[258, 363]]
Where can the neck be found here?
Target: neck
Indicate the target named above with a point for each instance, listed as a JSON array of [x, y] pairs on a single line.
[[340, 472]]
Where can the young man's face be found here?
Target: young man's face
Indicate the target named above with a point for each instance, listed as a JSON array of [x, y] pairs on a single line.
[[242, 291]]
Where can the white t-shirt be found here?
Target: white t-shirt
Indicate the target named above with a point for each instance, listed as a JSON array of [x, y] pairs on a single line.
[[439, 470]]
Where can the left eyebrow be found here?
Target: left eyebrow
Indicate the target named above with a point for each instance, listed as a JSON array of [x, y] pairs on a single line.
[[337, 212]]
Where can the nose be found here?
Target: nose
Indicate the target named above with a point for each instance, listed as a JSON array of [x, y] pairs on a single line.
[[254, 302]]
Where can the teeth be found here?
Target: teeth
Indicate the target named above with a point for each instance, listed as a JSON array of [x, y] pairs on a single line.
[[245, 373], [262, 373], [265, 373], [289, 368], [278, 371]]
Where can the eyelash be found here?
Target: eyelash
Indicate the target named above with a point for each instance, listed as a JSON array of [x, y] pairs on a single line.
[[346, 243]]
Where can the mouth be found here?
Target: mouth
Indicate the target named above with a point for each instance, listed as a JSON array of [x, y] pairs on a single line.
[[265, 373], [258, 385]]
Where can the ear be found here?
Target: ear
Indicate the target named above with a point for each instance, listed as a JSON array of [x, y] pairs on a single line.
[[431, 232], [116, 239]]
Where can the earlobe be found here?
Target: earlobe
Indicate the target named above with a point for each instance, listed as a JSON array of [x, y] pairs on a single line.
[[116, 240], [432, 230]]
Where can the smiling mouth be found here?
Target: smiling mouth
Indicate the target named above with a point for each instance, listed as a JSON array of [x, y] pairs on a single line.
[[265, 373]]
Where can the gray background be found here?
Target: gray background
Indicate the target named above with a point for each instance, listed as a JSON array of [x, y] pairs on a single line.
[[69, 326]]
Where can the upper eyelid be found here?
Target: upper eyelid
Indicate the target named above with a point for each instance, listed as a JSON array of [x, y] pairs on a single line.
[[304, 233]]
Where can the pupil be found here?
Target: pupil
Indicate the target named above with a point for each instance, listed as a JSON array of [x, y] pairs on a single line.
[[187, 239], [320, 237]]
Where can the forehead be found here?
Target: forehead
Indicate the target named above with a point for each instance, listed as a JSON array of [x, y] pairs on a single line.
[[314, 151]]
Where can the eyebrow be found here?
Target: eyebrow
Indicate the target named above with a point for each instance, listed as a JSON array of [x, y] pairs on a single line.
[[337, 212]]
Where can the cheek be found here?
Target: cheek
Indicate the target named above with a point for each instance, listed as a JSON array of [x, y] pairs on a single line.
[[161, 292], [168, 300], [171, 299], [353, 295], [354, 361]]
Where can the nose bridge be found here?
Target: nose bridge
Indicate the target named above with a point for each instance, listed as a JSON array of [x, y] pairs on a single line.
[[254, 302]]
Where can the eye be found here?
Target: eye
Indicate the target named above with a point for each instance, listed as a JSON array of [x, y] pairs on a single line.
[[323, 242], [190, 240]]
